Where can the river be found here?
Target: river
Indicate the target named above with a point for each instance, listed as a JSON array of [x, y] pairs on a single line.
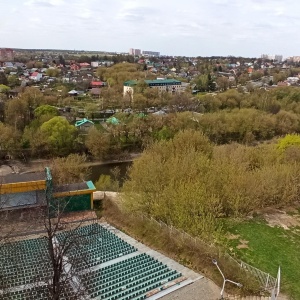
[[96, 169], [107, 169]]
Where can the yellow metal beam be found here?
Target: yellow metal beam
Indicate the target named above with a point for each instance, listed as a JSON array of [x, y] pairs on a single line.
[[73, 193], [19, 187]]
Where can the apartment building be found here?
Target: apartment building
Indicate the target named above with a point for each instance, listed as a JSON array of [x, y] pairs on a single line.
[[168, 85]]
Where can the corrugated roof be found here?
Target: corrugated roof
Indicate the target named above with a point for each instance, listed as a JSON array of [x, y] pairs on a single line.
[[95, 91], [71, 187], [97, 83], [83, 121], [130, 82], [163, 81], [14, 178], [155, 81]]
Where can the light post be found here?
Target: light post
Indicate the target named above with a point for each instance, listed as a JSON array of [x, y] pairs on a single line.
[[224, 279]]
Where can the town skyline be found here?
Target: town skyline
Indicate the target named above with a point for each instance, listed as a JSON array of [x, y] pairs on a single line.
[[197, 28]]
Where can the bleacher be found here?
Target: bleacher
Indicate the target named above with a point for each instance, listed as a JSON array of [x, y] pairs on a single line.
[[38, 293], [94, 245], [132, 278], [24, 262], [106, 267]]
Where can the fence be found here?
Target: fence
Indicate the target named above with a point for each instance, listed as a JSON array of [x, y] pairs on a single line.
[[267, 281]]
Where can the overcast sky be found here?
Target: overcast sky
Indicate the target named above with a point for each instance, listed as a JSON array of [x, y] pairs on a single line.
[[172, 27]]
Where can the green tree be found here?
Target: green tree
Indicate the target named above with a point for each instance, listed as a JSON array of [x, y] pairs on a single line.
[[33, 97], [45, 110], [70, 169], [106, 183], [139, 101], [164, 183], [4, 89], [210, 83], [36, 141], [110, 82], [222, 83], [202, 83], [9, 139], [17, 113], [13, 80], [60, 135], [90, 110], [290, 140], [53, 72], [97, 142], [3, 78]]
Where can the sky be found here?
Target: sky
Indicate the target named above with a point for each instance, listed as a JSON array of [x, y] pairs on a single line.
[[246, 28]]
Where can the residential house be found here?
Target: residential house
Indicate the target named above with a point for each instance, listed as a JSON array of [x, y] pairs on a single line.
[[98, 84], [84, 124], [95, 92], [36, 76], [84, 65], [75, 93]]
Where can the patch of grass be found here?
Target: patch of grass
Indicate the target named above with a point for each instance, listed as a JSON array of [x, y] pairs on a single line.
[[270, 247], [197, 256]]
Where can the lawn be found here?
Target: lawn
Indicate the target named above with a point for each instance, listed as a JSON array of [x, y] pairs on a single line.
[[268, 248]]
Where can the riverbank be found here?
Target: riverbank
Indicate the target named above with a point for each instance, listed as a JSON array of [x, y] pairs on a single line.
[[38, 165]]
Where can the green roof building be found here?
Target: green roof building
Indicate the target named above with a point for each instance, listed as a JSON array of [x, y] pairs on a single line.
[[84, 124], [168, 85]]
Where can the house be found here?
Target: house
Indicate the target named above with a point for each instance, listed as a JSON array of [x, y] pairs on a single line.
[[95, 92], [84, 65], [36, 76], [98, 84], [84, 124], [74, 67], [75, 93]]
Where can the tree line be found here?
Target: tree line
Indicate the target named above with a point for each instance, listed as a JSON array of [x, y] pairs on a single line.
[[191, 183]]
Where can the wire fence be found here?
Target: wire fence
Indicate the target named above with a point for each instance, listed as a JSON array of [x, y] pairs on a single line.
[[267, 281]]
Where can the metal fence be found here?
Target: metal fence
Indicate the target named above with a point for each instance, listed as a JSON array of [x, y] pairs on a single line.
[[267, 281]]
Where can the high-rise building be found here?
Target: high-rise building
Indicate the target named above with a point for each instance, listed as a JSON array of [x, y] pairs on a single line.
[[295, 58], [135, 52], [150, 53], [276, 57]]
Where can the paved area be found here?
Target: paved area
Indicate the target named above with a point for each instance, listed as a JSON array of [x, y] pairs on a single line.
[[202, 289], [196, 286]]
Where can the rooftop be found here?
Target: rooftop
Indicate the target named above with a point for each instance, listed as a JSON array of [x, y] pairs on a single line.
[[154, 81], [24, 177], [163, 81], [83, 121], [75, 187]]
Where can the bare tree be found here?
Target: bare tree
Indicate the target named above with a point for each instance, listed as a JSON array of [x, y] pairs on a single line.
[[49, 265]]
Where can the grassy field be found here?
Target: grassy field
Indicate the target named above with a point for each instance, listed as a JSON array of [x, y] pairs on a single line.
[[267, 248]]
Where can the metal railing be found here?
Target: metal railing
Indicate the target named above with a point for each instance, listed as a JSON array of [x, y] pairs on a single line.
[[267, 281]]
